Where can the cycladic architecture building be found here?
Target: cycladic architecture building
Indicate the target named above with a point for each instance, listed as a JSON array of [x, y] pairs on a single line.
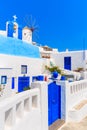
[[48, 100]]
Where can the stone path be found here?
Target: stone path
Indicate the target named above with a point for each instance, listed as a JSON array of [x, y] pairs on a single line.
[[75, 126]]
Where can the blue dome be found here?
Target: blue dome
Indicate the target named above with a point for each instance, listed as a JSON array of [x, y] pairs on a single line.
[[13, 46]]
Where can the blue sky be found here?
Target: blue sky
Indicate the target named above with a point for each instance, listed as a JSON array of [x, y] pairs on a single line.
[[62, 23]]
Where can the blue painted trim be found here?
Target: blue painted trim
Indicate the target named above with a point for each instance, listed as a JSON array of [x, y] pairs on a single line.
[[10, 29], [13, 82], [40, 78], [19, 33], [34, 78]]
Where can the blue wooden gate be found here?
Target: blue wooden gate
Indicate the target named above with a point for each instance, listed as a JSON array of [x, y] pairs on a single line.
[[67, 63], [22, 83], [54, 102]]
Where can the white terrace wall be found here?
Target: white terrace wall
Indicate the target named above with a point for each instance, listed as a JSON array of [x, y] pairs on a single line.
[[27, 110], [84, 74], [21, 111], [71, 94], [76, 58]]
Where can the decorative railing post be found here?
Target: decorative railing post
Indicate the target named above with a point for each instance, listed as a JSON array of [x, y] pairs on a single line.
[[43, 102]]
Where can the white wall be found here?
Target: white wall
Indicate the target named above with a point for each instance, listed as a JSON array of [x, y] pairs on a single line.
[[3, 33], [15, 62], [21, 111], [34, 66], [43, 102], [6, 88], [76, 57], [27, 110]]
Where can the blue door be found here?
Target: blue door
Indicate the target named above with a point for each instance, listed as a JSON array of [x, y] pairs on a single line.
[[22, 83], [67, 63], [54, 102]]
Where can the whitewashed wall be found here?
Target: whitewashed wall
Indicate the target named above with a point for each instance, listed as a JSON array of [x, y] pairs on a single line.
[[15, 62], [21, 111], [6, 89], [84, 74], [76, 57], [27, 110], [34, 66], [43, 102]]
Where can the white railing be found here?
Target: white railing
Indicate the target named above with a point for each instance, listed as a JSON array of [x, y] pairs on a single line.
[[71, 94], [75, 92], [19, 109], [84, 74], [78, 86]]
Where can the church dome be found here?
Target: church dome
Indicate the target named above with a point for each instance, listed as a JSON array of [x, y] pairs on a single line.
[[16, 47]]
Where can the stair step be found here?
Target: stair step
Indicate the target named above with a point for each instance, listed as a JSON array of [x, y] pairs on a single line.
[[56, 125]]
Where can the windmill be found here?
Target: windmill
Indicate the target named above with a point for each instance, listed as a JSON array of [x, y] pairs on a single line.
[[31, 29]]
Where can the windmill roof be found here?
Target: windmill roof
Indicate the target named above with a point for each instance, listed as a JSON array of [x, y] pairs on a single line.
[[13, 46], [27, 28]]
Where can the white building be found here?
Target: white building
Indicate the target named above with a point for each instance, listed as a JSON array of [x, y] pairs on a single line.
[[70, 59], [20, 61]]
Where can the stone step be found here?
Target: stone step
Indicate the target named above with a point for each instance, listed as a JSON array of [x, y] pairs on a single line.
[[56, 125], [80, 105]]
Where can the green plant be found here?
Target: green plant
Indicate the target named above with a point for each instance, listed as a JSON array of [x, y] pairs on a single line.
[[79, 69], [0, 89], [26, 88], [53, 68]]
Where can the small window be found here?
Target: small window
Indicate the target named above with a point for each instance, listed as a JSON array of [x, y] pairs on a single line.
[[23, 69], [3, 79]]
